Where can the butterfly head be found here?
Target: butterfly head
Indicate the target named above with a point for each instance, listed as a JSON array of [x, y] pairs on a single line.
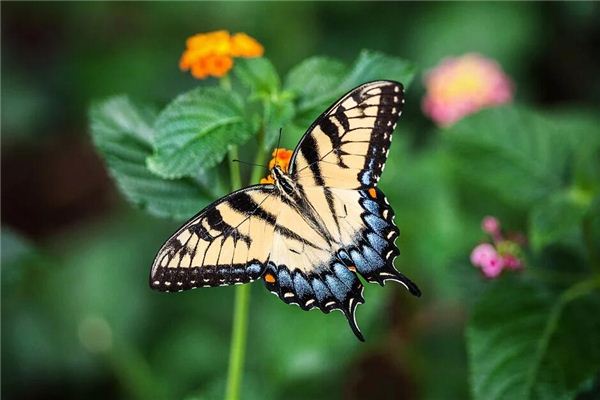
[[282, 180]]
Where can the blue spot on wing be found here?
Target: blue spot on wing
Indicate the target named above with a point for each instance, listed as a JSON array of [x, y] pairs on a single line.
[[371, 206], [376, 223], [320, 290], [301, 286], [367, 175], [377, 242], [372, 257], [254, 268], [344, 275], [361, 263], [337, 287], [285, 281]]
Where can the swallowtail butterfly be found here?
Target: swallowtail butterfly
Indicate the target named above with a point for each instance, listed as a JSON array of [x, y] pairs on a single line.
[[308, 235]]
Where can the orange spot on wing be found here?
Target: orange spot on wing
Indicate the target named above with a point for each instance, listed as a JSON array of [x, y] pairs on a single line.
[[373, 193], [270, 278], [352, 268]]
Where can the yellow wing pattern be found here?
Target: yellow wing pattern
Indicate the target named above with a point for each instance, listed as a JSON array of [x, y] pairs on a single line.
[[227, 243], [347, 146]]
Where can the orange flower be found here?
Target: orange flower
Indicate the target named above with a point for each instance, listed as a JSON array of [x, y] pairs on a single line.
[[281, 158], [243, 45], [212, 53], [218, 65]]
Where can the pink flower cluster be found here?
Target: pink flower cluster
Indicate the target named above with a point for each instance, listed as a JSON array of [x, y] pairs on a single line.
[[502, 254], [463, 85]]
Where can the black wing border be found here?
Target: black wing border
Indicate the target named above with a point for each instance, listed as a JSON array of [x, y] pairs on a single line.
[[334, 105]]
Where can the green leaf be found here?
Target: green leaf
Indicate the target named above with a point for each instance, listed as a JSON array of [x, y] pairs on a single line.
[[318, 82], [195, 131], [558, 217], [258, 75], [261, 78], [279, 112], [373, 65], [314, 78], [122, 133], [521, 156], [524, 343]]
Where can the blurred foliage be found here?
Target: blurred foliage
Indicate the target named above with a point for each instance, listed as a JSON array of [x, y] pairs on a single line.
[[550, 346], [78, 319]]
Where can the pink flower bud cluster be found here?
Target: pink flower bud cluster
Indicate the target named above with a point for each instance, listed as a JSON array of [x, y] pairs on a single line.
[[493, 258], [464, 85]]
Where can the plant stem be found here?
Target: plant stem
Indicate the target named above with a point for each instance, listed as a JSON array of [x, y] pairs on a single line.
[[257, 171], [237, 350], [588, 239], [234, 169], [239, 333]]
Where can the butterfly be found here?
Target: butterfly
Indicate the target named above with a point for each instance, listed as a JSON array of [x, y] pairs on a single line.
[[310, 233]]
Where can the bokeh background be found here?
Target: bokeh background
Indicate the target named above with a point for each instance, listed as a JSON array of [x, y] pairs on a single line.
[[78, 318]]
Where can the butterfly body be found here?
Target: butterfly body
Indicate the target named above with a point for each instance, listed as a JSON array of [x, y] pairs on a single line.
[[315, 228]]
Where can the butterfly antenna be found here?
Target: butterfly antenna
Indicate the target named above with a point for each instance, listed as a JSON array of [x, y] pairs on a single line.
[[253, 164], [278, 142]]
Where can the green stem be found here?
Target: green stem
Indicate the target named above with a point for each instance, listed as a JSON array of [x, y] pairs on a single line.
[[239, 333], [580, 289], [237, 349], [258, 172], [588, 239], [234, 169]]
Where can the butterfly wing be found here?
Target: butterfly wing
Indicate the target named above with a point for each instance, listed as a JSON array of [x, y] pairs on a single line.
[[347, 146], [226, 243], [305, 271], [336, 167]]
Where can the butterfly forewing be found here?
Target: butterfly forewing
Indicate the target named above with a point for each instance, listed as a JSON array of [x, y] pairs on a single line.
[[347, 146], [228, 242]]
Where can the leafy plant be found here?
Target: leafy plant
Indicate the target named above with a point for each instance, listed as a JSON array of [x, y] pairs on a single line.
[[166, 163], [531, 334], [535, 336], [170, 163]]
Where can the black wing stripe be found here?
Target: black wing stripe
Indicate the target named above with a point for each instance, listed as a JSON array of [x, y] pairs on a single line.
[[310, 154], [246, 204]]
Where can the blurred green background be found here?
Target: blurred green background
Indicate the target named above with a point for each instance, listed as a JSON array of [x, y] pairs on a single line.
[[78, 318]]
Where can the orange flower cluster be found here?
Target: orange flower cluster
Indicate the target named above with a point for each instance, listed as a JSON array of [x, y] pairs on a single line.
[[281, 157], [212, 53]]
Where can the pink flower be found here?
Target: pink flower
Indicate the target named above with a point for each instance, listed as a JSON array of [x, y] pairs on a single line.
[[487, 258], [463, 85], [491, 225], [492, 266], [482, 253], [502, 254]]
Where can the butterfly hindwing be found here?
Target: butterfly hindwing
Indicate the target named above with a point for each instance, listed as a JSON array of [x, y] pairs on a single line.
[[374, 251], [347, 146], [227, 243]]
